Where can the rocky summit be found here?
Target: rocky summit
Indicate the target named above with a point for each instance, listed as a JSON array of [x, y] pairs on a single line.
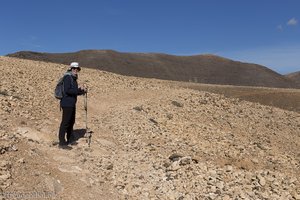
[[150, 140]]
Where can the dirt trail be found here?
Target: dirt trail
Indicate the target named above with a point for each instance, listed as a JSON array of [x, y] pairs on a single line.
[[151, 140]]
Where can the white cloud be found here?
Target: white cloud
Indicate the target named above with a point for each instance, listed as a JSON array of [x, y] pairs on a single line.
[[292, 22]]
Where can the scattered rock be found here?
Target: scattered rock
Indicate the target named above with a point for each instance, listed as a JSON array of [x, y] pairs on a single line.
[[175, 157], [176, 103], [110, 167], [138, 108], [154, 121], [21, 161], [229, 148]]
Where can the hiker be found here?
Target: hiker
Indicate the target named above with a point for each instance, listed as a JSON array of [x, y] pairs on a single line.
[[68, 104]]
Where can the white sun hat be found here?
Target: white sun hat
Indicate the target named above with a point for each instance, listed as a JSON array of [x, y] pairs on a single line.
[[75, 65]]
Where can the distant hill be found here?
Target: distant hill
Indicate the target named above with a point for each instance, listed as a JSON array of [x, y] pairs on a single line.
[[294, 77], [198, 68]]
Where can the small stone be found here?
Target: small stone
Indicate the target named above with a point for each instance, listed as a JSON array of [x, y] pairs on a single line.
[[226, 197], [261, 180], [154, 121], [174, 166], [296, 196], [169, 116], [220, 185], [110, 167], [185, 160], [4, 177], [176, 103], [213, 173], [175, 157], [254, 160], [14, 148], [138, 108], [265, 195], [229, 168], [213, 189], [21, 161], [4, 164]]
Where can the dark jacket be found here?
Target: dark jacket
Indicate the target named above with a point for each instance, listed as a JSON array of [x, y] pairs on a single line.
[[71, 91]]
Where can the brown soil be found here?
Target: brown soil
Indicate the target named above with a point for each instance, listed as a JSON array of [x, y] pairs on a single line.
[[287, 99]]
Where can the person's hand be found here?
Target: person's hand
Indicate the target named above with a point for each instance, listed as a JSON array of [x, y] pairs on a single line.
[[83, 89]]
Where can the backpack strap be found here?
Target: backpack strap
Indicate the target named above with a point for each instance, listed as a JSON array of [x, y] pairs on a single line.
[[68, 74]]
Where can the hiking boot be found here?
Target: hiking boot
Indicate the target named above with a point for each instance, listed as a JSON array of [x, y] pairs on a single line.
[[65, 147]]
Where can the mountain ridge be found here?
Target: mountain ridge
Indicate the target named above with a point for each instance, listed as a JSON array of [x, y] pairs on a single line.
[[206, 68], [295, 76]]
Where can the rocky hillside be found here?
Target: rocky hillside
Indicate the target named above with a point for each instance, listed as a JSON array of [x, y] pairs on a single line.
[[294, 77], [151, 140], [199, 68]]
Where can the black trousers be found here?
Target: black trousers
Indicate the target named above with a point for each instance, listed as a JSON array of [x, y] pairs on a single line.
[[66, 125]]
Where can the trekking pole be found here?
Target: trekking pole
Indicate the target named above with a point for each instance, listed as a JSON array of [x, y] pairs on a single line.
[[89, 133]]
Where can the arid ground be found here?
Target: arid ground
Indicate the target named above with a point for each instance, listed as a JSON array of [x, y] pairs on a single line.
[[152, 139]]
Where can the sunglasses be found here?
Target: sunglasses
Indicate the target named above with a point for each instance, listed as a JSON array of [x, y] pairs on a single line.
[[78, 69]]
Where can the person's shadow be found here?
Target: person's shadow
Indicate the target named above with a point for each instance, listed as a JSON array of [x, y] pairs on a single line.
[[77, 134]]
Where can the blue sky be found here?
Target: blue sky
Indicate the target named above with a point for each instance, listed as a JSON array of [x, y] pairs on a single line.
[[265, 32]]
